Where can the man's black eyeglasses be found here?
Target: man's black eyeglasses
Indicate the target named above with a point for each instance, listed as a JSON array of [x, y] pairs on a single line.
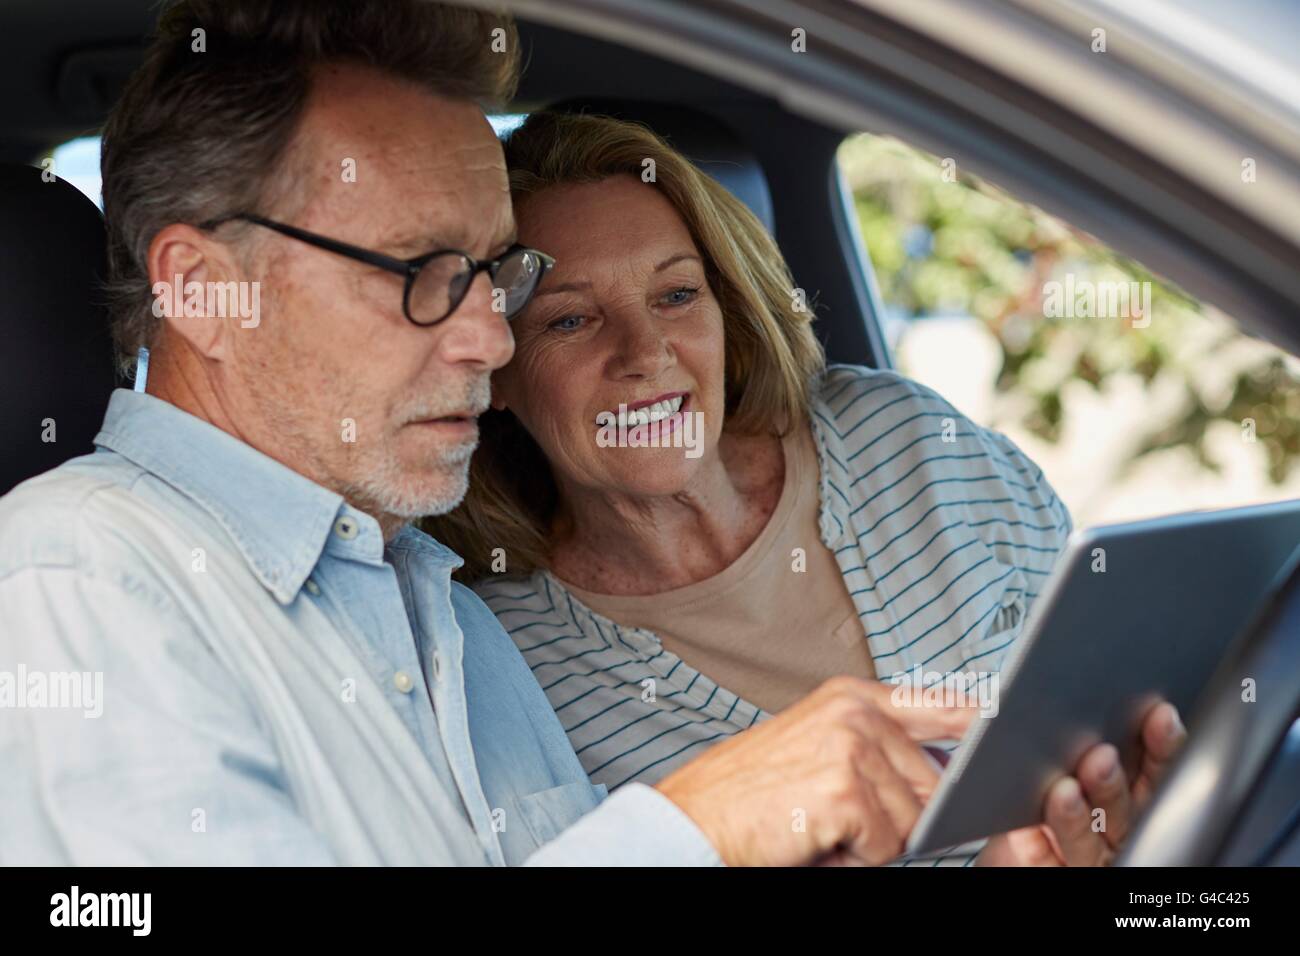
[[436, 282]]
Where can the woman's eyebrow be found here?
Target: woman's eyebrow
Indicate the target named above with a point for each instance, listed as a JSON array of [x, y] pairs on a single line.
[[582, 286], [673, 260], [562, 287]]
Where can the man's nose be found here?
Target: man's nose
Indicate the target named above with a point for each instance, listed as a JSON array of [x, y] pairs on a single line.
[[476, 332]]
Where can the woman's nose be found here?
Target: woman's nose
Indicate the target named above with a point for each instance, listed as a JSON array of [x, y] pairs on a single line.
[[644, 349]]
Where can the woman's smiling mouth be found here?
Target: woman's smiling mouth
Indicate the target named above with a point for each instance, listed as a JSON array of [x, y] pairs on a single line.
[[645, 412]]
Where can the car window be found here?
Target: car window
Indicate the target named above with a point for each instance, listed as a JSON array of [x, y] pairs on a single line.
[[1135, 398], [77, 161]]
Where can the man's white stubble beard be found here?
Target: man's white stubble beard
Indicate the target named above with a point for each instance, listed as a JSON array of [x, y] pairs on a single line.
[[389, 490]]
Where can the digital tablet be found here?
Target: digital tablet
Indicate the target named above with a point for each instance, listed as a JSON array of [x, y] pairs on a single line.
[[1099, 647]]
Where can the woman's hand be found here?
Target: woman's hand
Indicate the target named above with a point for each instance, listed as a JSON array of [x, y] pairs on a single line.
[[1067, 837]]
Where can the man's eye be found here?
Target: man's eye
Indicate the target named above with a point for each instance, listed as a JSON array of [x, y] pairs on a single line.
[[681, 296], [566, 324]]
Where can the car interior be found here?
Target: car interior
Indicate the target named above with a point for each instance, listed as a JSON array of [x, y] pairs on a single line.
[[737, 137], [64, 62]]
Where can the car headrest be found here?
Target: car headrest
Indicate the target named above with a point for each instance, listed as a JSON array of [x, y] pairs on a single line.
[[56, 361], [707, 142]]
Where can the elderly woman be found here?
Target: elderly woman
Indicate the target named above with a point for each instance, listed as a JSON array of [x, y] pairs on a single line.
[[683, 518]]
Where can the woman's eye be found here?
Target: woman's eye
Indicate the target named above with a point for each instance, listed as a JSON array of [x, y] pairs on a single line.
[[567, 323], [680, 296]]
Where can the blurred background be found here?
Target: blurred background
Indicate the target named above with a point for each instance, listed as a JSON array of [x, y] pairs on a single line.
[[1184, 412]]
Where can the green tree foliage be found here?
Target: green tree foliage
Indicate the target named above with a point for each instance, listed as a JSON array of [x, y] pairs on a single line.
[[966, 247]]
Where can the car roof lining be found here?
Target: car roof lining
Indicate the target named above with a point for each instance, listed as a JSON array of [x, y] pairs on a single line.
[[60, 89]]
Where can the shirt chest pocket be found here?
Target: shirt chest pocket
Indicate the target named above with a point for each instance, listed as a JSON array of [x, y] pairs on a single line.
[[548, 813], [992, 617], [957, 604]]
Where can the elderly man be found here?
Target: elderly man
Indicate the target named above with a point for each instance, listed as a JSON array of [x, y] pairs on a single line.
[[289, 674]]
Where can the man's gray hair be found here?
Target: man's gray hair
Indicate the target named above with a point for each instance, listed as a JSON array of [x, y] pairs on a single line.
[[203, 127]]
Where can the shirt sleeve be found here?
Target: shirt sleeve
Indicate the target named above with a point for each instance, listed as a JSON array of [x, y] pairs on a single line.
[[1045, 511], [142, 749], [635, 826], [1039, 490]]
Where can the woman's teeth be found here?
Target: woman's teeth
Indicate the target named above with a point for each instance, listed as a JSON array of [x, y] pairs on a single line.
[[649, 413]]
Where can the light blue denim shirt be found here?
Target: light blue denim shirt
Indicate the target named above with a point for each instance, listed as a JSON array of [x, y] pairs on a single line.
[[207, 658]]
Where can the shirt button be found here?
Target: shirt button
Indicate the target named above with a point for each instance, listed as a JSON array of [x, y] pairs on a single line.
[[346, 528], [402, 681], [437, 666], [312, 587]]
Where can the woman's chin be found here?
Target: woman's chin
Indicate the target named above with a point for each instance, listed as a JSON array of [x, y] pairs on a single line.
[[652, 473]]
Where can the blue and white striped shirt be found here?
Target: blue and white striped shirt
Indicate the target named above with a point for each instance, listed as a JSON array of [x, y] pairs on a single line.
[[943, 530]]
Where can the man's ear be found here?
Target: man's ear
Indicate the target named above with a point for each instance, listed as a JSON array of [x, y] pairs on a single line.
[[184, 263]]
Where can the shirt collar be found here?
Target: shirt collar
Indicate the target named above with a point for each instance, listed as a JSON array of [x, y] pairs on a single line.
[[280, 521], [412, 539]]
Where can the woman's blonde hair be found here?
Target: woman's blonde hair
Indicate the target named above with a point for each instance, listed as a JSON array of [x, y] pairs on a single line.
[[771, 355]]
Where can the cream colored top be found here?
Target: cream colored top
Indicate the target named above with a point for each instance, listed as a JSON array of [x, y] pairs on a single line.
[[775, 623]]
